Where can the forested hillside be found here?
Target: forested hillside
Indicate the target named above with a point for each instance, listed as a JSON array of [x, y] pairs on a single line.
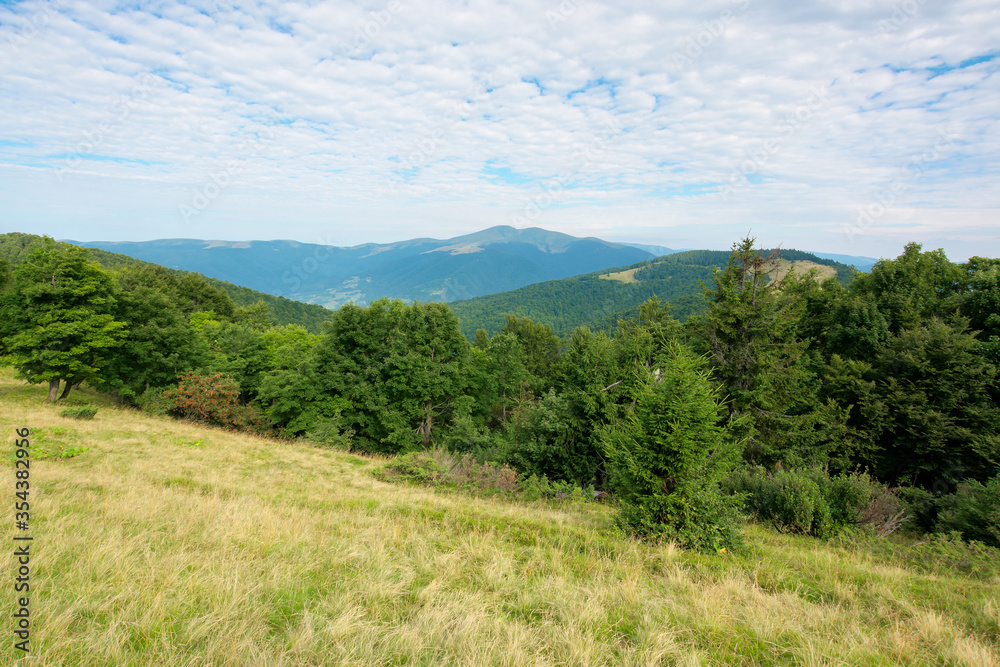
[[597, 300], [812, 404], [14, 247]]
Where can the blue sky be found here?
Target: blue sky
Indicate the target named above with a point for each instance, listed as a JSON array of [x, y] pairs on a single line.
[[849, 127]]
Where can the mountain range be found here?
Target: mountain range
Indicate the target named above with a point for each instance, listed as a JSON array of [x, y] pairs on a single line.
[[493, 260], [490, 261]]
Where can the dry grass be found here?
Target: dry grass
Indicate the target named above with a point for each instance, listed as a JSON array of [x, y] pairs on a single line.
[[170, 544], [627, 276], [802, 268]]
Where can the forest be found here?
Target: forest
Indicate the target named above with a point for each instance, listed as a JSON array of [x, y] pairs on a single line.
[[817, 406], [594, 301]]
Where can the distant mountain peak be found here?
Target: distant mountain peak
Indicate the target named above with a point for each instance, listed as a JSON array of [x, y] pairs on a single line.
[[491, 260]]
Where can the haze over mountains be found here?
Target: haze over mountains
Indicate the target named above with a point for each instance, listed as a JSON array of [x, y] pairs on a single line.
[[493, 260]]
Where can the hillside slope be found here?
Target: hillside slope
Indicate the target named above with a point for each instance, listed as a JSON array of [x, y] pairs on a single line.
[[170, 544], [14, 247], [600, 298]]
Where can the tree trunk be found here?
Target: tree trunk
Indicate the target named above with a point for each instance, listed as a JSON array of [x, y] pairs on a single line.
[[426, 425], [53, 390], [68, 388]]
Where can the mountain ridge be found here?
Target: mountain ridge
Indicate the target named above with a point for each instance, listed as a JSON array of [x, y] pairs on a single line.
[[489, 261], [492, 260]]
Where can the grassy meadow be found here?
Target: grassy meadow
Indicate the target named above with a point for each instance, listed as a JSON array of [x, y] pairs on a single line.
[[165, 543]]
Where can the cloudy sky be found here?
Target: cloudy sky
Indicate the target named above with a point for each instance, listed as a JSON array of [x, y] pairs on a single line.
[[849, 126]]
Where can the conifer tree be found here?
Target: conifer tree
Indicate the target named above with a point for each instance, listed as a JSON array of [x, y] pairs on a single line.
[[750, 332], [667, 456]]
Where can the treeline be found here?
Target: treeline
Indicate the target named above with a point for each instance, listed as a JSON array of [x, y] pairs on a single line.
[[813, 405]]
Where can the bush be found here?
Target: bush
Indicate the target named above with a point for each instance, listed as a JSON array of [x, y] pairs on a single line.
[[82, 412], [484, 476], [441, 467], [329, 433], [157, 403], [213, 399], [666, 458], [419, 467], [696, 518], [921, 505], [812, 503], [537, 487], [973, 511], [799, 505]]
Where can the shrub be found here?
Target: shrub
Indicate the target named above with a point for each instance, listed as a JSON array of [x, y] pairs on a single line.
[[419, 467], [973, 511], [886, 513], [484, 476], [330, 433], [157, 403], [921, 505], [82, 412], [810, 502], [441, 467], [666, 458], [535, 488], [213, 399], [800, 505], [697, 518]]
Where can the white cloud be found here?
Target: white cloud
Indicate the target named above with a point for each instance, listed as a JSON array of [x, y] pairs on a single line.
[[387, 120]]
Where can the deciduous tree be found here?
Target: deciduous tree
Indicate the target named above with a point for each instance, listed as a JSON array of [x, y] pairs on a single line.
[[58, 321]]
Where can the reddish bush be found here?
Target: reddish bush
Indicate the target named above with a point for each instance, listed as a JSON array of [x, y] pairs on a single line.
[[213, 399]]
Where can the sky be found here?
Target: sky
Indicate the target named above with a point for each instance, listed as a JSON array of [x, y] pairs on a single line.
[[843, 127]]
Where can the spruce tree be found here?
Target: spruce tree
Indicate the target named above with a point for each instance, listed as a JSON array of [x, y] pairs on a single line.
[[750, 333], [668, 455]]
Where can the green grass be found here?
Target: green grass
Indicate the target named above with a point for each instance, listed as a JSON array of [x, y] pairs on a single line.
[[169, 544]]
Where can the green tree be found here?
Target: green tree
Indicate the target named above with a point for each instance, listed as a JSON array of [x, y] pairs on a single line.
[[290, 391], [507, 377], [751, 335], [931, 409], [912, 288], [256, 317], [159, 344], [667, 457], [238, 351], [398, 369], [555, 435], [58, 321], [541, 349]]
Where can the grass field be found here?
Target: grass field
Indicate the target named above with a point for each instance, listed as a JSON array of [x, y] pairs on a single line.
[[627, 276], [169, 544]]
